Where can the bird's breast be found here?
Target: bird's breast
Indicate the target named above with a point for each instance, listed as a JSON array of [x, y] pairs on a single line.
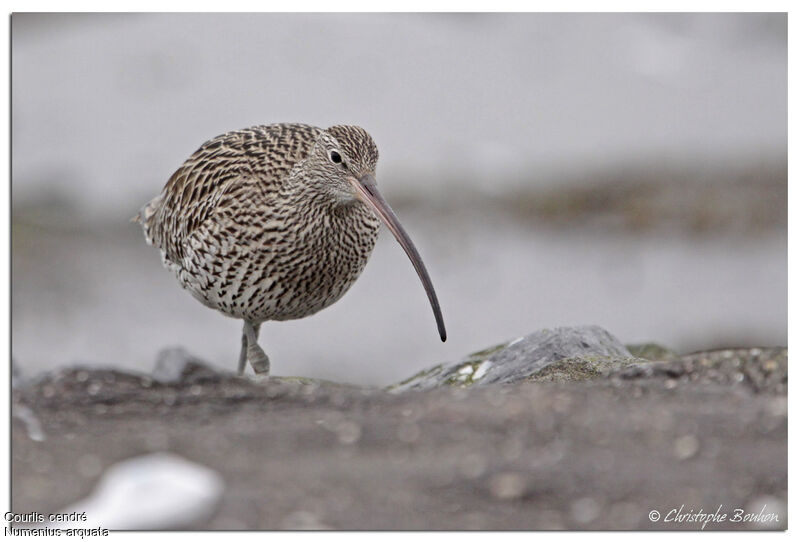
[[320, 258]]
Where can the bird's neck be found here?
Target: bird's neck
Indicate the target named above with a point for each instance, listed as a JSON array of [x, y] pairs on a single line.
[[308, 195]]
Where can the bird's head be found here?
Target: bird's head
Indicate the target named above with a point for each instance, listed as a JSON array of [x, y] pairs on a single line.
[[343, 161], [341, 155]]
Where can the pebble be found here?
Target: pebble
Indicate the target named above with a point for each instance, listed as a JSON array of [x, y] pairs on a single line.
[[150, 492], [348, 432], [170, 397], [506, 486], [773, 515], [32, 425], [779, 406], [686, 446], [301, 520], [584, 510]]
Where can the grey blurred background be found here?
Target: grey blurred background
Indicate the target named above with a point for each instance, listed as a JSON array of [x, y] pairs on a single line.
[[626, 170]]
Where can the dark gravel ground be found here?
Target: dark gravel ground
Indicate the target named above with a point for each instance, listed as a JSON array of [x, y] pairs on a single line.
[[699, 431]]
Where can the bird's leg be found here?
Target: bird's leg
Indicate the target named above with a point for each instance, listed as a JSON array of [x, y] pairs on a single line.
[[243, 353], [255, 355]]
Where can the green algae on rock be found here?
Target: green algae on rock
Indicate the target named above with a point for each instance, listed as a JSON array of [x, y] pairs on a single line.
[[652, 352]]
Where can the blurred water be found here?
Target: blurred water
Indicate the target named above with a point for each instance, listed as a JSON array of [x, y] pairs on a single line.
[[463, 108], [104, 299]]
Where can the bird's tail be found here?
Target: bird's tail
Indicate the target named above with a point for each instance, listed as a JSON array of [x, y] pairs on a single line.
[[145, 216]]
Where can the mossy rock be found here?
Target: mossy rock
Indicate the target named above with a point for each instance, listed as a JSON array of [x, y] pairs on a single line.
[[652, 352], [579, 369], [420, 376], [564, 353], [481, 355]]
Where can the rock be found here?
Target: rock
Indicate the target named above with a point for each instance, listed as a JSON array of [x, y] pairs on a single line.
[[578, 369], [564, 353], [32, 425], [153, 491], [762, 370], [175, 365], [652, 352], [297, 453], [86, 385]]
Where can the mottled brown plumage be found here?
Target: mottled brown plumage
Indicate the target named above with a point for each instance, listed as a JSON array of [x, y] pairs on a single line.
[[273, 222]]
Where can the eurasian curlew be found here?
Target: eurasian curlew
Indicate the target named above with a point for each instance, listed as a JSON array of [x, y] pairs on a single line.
[[274, 222]]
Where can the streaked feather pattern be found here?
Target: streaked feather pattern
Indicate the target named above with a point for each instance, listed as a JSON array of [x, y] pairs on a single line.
[[250, 226]]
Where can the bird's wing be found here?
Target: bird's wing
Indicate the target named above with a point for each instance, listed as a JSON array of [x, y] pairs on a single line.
[[239, 165]]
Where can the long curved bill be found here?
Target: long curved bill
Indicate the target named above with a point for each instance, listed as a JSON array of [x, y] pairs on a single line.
[[367, 189]]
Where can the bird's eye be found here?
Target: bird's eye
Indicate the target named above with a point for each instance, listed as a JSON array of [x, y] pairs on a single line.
[[336, 158]]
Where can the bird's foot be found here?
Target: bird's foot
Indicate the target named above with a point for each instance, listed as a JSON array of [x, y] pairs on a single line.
[[258, 359]]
